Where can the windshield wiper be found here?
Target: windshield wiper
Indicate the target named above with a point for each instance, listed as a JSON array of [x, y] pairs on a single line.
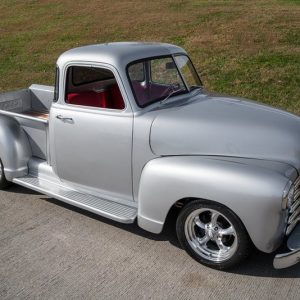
[[172, 94], [194, 87]]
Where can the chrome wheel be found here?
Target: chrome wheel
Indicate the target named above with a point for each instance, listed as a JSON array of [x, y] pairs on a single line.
[[211, 235]]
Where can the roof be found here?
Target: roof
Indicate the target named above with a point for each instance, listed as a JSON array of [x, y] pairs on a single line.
[[117, 54]]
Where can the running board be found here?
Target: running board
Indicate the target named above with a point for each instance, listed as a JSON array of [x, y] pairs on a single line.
[[112, 210]]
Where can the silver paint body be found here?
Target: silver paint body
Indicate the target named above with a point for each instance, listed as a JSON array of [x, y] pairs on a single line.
[[200, 145]]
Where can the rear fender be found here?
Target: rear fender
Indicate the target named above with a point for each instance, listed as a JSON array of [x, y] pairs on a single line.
[[15, 149]]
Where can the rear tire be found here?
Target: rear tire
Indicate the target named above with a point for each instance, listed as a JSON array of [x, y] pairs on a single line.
[[212, 234], [3, 182]]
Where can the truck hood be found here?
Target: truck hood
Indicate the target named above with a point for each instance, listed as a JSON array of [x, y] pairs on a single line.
[[226, 126]]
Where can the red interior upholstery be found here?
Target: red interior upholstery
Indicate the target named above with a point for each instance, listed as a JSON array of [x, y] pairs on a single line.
[[116, 97], [89, 98], [110, 98], [141, 92], [147, 94]]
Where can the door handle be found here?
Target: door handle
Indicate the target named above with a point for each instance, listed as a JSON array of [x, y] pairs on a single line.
[[60, 117]]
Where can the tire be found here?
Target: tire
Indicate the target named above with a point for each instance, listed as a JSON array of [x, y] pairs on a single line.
[[212, 234], [3, 182]]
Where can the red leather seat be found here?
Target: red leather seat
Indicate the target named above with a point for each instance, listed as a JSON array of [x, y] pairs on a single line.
[[90, 98], [111, 98]]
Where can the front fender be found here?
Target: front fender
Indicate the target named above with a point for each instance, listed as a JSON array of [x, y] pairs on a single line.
[[15, 149], [253, 193]]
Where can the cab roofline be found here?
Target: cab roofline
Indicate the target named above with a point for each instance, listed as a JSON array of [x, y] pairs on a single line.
[[118, 54]]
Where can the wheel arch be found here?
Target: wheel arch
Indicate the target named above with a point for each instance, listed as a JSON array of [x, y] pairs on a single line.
[[181, 203]]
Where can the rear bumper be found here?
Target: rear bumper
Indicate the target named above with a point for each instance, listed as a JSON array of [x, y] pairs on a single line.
[[291, 258]]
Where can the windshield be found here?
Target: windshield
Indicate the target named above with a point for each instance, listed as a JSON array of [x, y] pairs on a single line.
[[159, 78]]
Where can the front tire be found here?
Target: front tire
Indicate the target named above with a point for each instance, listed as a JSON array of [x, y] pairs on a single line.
[[3, 182], [212, 234]]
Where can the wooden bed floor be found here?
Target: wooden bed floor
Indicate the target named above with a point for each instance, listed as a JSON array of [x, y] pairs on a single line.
[[37, 114]]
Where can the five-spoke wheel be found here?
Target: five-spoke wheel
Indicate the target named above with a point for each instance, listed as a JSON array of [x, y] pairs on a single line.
[[212, 234]]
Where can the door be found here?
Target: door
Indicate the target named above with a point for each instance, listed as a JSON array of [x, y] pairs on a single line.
[[91, 134]]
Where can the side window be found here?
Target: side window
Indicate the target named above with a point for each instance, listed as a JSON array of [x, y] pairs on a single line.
[[93, 87]]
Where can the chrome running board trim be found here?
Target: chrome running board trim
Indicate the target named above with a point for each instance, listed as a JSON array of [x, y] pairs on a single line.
[[112, 210]]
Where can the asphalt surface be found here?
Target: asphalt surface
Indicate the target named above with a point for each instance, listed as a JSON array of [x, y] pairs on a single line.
[[50, 250]]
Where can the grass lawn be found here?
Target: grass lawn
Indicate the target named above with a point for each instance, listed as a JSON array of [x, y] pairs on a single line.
[[244, 48]]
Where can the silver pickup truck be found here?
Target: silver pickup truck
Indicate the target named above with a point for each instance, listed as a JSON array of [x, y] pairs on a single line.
[[129, 133]]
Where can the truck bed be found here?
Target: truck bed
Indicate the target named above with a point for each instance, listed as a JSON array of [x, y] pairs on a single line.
[[34, 102], [30, 108]]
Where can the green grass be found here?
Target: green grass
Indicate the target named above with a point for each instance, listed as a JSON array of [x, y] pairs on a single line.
[[244, 48]]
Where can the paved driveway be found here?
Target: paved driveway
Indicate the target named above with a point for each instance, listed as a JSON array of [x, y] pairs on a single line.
[[50, 250]]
